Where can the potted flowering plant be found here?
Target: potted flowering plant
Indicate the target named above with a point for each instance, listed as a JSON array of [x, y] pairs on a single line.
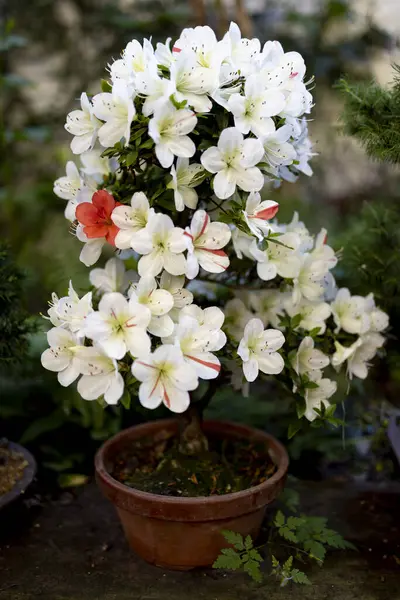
[[174, 154]]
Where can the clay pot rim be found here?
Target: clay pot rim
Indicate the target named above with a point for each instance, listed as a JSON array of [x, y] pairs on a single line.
[[281, 461]]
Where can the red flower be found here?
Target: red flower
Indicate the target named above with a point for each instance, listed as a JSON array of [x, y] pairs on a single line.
[[96, 216]]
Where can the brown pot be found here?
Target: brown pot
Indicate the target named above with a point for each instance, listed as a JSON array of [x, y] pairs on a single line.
[[183, 533]]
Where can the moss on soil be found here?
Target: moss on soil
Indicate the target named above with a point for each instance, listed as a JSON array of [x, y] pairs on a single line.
[[159, 467]]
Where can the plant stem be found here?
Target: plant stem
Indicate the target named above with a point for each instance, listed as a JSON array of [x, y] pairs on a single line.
[[192, 439]]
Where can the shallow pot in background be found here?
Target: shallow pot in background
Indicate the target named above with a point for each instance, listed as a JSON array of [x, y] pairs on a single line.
[[183, 533]]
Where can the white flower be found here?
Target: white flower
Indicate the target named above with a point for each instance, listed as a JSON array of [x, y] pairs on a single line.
[[358, 354], [197, 344], [131, 219], [313, 314], [324, 252], [202, 41], [92, 248], [185, 177], [70, 311], [268, 306], [308, 358], [193, 82], [319, 396], [74, 188], [135, 60], [154, 88], [169, 128], [258, 348], [233, 161], [162, 245], [310, 281], [159, 301], [96, 166], [298, 227], [113, 278], [166, 377], [280, 69], [258, 213], [175, 286], [83, 125], [278, 151], [119, 326], [350, 312], [100, 376], [163, 53], [204, 241], [253, 111], [67, 187], [277, 259], [118, 111], [237, 315], [243, 52], [242, 243], [61, 356], [211, 317], [379, 320]]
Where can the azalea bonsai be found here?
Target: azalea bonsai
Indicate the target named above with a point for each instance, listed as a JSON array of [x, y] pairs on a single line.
[[177, 153]]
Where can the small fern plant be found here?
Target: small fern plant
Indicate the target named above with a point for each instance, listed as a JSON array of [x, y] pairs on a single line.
[[309, 540]]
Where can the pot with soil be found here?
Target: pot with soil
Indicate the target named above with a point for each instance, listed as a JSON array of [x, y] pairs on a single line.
[[17, 470], [173, 505]]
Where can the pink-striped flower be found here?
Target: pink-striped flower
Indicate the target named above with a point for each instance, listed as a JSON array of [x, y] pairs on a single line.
[[197, 344], [166, 378], [204, 242], [258, 213]]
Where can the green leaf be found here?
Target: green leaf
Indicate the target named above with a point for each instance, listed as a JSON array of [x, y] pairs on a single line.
[[290, 499], [252, 568], [294, 428], [137, 134], [255, 555], [279, 520], [147, 144], [287, 566], [294, 522], [131, 158], [234, 538], [275, 562], [316, 549], [126, 399], [248, 543], [228, 559], [178, 105], [299, 577], [288, 534], [295, 321], [105, 86], [314, 332], [67, 480]]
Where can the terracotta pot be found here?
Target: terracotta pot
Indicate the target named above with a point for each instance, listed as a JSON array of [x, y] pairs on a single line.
[[183, 533]]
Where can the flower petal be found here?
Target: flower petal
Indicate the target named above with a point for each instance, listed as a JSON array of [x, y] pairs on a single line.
[[250, 369]]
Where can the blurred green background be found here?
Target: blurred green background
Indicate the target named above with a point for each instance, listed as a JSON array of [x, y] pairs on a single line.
[[51, 51]]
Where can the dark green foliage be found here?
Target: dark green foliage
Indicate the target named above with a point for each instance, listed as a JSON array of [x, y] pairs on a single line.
[[372, 115], [14, 326], [302, 537], [243, 556]]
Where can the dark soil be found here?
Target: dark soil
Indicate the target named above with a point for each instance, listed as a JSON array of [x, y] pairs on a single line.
[[161, 468], [12, 466], [73, 548]]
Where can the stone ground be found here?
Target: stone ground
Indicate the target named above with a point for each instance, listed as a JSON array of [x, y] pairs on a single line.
[[73, 549]]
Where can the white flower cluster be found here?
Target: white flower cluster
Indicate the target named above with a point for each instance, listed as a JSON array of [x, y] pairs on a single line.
[[179, 135], [310, 298]]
